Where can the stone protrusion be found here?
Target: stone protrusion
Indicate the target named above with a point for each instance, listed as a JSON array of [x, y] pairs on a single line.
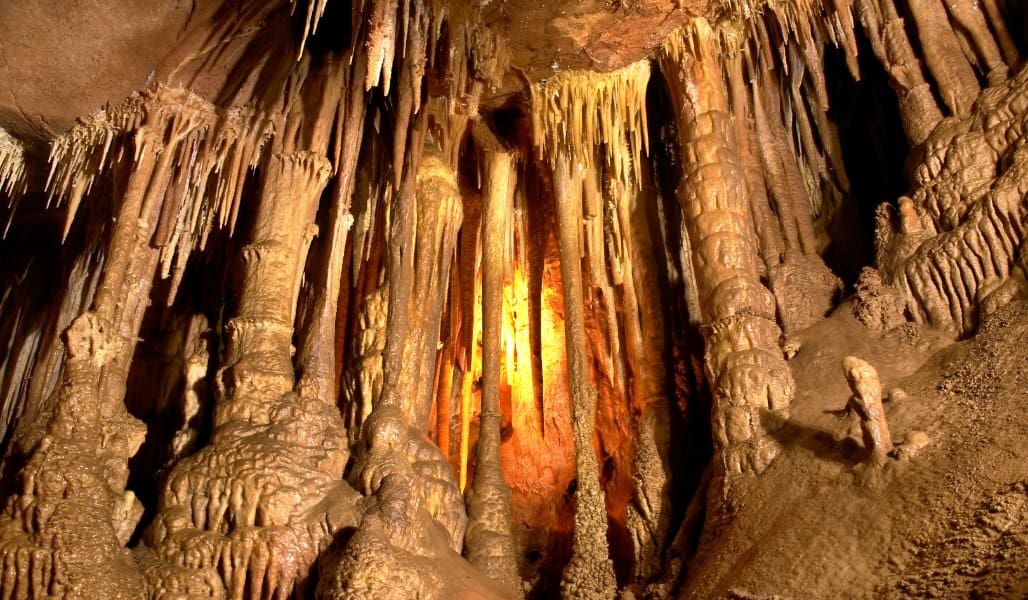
[[962, 228], [744, 364]]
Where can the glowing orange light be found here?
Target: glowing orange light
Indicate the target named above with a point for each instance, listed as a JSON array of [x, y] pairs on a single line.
[[517, 344], [468, 392]]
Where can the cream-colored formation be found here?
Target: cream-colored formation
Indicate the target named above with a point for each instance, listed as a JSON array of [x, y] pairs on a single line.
[[751, 384], [957, 245], [370, 395], [12, 166], [866, 402]]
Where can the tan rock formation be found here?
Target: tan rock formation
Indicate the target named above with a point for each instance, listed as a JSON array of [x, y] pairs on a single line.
[[746, 369], [866, 403]]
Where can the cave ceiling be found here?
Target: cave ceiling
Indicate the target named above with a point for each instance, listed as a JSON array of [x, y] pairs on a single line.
[[60, 64]]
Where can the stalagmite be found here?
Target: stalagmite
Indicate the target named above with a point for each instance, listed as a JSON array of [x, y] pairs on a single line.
[[317, 350], [743, 361], [866, 402], [970, 190]]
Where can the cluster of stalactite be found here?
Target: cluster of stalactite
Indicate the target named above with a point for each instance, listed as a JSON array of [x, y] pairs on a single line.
[[423, 334], [12, 168]]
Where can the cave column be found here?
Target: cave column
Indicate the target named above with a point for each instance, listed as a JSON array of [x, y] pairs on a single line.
[[127, 278], [891, 46], [259, 346], [648, 513], [590, 574], [957, 84], [74, 482], [424, 221], [772, 246], [226, 499], [749, 377], [439, 217], [488, 540]]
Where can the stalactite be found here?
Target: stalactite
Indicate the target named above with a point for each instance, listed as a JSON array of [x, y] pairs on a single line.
[[574, 112], [467, 395], [999, 26], [444, 402], [409, 478], [12, 171], [471, 330], [886, 31], [412, 485], [776, 176], [488, 539], [772, 245], [779, 53], [956, 81], [439, 216], [315, 10], [362, 377], [967, 15], [317, 350]]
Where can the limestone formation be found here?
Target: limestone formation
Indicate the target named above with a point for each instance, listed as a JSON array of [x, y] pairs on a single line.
[[438, 299], [746, 369], [866, 403]]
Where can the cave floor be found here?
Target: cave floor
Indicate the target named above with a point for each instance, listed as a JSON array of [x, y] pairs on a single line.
[[950, 523]]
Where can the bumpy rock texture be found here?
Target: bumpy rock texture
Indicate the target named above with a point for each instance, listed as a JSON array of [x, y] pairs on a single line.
[[433, 299]]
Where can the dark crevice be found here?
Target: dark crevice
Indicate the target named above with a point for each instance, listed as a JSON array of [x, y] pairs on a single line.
[[874, 149]]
